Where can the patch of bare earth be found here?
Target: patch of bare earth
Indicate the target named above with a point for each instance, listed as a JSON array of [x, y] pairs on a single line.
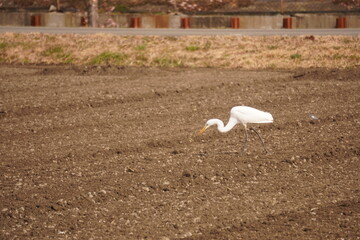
[[113, 153]]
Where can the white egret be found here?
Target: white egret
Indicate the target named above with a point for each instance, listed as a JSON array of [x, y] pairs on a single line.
[[244, 115]]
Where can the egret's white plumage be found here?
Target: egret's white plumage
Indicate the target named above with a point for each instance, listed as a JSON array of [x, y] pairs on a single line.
[[244, 115]]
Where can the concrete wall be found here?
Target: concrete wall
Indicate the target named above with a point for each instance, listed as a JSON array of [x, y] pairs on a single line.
[[246, 21], [174, 21], [213, 21], [121, 20], [72, 20], [55, 19], [275, 21], [23, 18], [353, 21], [46, 19], [261, 21], [323, 20]]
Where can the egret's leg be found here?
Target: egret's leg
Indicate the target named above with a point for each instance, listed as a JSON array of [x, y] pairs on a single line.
[[245, 139], [262, 141]]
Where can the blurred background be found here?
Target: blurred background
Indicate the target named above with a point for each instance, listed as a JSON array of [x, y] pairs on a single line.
[[263, 14]]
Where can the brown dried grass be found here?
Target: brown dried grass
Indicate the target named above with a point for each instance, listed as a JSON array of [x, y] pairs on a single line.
[[275, 52]]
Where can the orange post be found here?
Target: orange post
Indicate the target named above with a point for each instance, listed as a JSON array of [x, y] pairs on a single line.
[[235, 22], [287, 23], [135, 22], [341, 22], [36, 20], [185, 22]]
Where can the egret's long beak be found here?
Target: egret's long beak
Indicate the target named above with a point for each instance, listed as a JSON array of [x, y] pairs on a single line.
[[202, 130]]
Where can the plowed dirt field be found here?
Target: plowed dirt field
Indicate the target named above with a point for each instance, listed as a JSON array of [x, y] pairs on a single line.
[[113, 153]]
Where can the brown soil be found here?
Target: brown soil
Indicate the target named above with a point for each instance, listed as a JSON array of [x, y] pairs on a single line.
[[113, 153]]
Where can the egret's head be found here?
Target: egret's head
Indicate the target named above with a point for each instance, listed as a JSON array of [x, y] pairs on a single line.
[[207, 124]]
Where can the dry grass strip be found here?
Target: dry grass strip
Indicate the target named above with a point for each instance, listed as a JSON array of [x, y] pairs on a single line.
[[275, 52]]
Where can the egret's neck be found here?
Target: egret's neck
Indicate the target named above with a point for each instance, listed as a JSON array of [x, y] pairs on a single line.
[[220, 125]]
